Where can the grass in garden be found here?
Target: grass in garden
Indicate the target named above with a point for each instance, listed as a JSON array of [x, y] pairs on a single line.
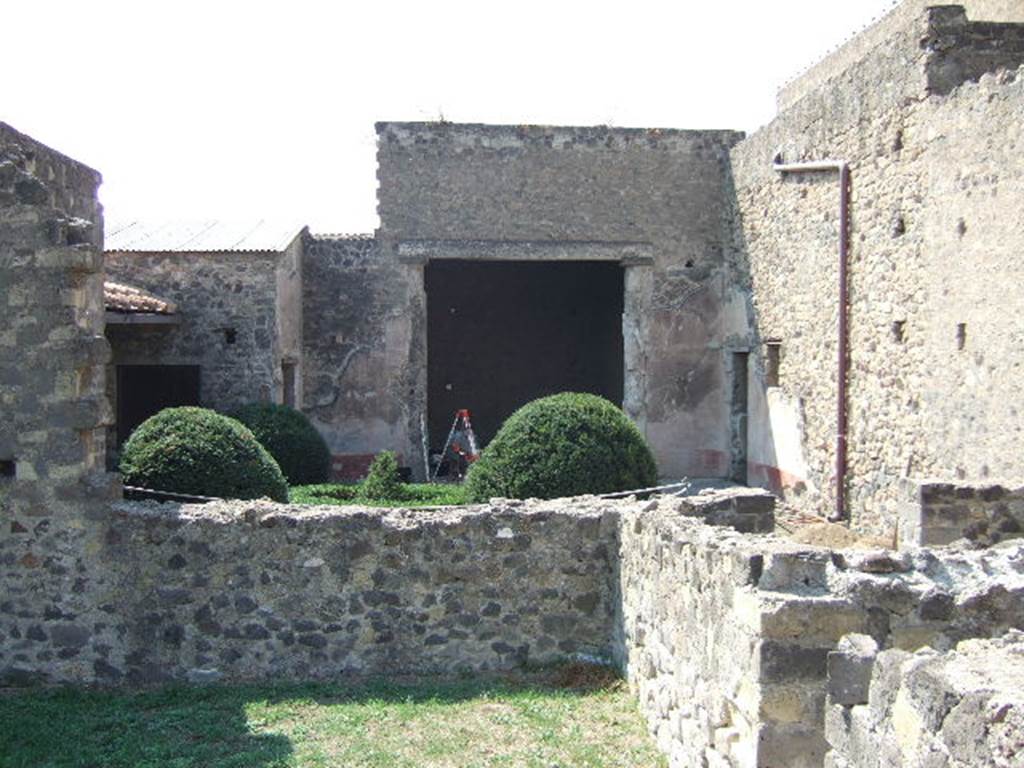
[[410, 495], [557, 718]]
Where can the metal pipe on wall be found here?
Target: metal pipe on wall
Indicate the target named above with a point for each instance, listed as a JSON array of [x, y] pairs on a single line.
[[843, 169]]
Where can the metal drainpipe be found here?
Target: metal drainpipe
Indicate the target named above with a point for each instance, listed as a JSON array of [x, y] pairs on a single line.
[[843, 168]]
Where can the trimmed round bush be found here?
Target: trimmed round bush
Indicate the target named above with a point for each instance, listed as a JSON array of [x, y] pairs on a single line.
[[563, 445], [201, 452], [294, 443]]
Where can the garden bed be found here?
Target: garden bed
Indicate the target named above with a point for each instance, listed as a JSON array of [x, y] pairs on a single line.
[[407, 495]]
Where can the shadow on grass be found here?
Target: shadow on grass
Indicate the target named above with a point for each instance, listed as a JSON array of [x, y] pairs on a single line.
[[173, 727], [189, 727]]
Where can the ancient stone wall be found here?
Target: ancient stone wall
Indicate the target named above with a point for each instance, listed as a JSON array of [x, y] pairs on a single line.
[[874, 42], [962, 50], [693, 646], [941, 513], [52, 413], [961, 708], [936, 182], [353, 320], [229, 310], [726, 637], [653, 200], [239, 590]]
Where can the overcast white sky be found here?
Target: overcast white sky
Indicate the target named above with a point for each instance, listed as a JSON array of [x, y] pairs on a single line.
[[215, 109]]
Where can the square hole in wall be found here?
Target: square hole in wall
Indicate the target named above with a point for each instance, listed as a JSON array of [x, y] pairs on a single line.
[[8, 470], [899, 331]]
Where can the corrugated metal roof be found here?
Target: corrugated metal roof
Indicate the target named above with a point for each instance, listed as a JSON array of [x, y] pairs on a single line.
[[207, 236], [119, 297]]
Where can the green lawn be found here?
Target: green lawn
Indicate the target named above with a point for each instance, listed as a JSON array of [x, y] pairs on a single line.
[[559, 718], [410, 495]]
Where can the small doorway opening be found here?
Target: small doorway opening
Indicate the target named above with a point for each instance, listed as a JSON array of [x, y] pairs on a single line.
[[738, 417], [145, 390], [289, 396]]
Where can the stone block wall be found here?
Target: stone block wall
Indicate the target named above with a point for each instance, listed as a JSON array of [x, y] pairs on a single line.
[[941, 513], [936, 183], [963, 50], [532, 192], [726, 637], [964, 707], [216, 293], [691, 642], [53, 413], [237, 590]]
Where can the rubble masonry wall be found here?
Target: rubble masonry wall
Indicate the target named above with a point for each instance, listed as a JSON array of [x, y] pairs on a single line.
[[54, 413], [936, 187], [215, 293]]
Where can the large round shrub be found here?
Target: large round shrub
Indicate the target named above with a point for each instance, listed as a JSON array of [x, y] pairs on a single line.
[[294, 443], [198, 451], [563, 445]]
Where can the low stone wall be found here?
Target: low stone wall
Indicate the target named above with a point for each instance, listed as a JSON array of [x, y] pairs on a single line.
[[257, 590], [956, 709], [940, 513], [726, 636]]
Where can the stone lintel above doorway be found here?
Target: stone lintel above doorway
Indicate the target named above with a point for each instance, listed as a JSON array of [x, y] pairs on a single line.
[[628, 253]]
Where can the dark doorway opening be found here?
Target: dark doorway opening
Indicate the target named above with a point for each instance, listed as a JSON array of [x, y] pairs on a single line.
[[739, 416], [144, 390], [500, 334]]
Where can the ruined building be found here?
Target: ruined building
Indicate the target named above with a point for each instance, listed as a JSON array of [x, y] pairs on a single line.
[[829, 308], [679, 273]]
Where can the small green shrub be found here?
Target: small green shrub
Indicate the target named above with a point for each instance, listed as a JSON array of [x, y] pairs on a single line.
[[294, 443], [382, 483], [563, 445], [201, 452]]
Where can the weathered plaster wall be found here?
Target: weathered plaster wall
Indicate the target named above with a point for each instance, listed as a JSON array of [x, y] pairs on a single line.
[[214, 292], [653, 199], [354, 317], [961, 708], [937, 185], [52, 412], [288, 313]]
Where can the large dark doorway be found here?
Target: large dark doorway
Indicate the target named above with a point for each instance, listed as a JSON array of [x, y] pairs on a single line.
[[500, 334], [144, 390]]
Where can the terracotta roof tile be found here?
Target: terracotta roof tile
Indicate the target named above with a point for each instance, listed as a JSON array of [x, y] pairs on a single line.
[[124, 298]]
